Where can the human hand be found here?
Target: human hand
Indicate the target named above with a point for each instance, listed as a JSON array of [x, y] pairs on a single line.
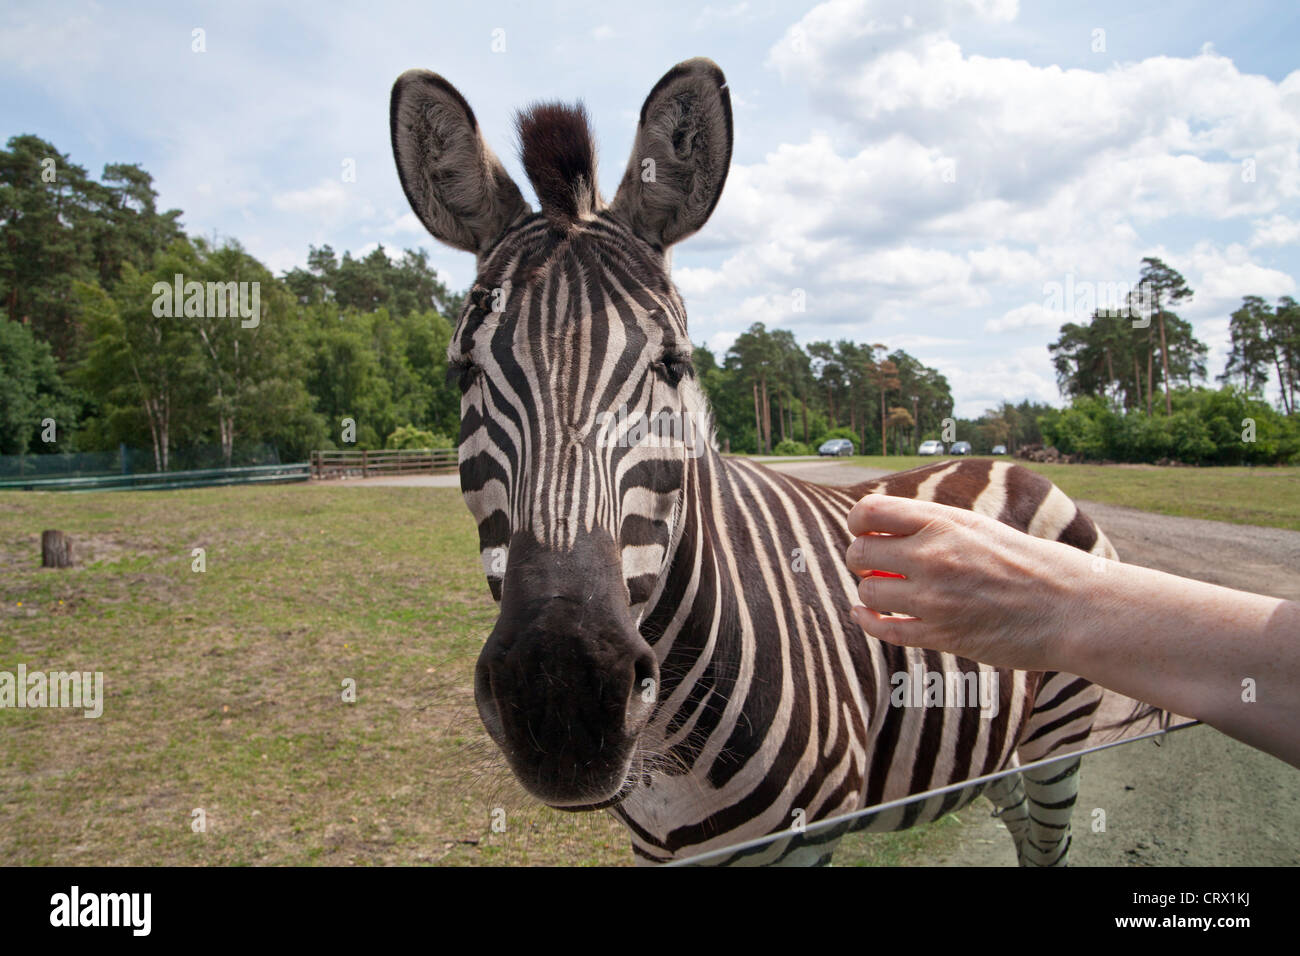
[[971, 585]]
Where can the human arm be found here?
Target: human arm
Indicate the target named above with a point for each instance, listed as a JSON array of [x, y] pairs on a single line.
[[983, 590]]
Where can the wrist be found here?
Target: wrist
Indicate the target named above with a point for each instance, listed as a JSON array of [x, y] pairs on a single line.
[[1087, 603]]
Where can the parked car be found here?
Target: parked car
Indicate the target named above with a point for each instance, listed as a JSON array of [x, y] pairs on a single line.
[[959, 448], [836, 446], [999, 449], [930, 448]]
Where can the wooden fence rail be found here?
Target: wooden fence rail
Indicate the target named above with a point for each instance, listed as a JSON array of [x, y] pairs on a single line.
[[369, 464]]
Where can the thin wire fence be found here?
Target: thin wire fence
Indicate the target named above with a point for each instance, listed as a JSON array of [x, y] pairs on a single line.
[[856, 820], [131, 461]]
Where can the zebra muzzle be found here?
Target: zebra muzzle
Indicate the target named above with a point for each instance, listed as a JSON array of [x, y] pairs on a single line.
[[565, 683]]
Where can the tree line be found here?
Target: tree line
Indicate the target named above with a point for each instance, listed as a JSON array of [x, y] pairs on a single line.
[[84, 342], [769, 395], [1135, 374]]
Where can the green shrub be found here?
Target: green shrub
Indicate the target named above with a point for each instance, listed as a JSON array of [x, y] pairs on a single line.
[[790, 447], [1078, 430], [1221, 427], [408, 436]]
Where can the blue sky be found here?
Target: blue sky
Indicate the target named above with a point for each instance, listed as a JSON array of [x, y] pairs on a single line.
[[920, 171]]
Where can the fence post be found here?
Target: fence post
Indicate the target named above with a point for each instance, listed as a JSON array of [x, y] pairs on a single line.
[[365, 463]]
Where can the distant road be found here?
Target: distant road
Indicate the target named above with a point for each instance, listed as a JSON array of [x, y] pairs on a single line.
[[406, 481]]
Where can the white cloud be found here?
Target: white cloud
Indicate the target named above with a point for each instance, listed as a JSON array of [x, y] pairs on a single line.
[[923, 342], [1027, 316], [719, 343], [941, 188], [406, 224], [698, 282], [283, 259], [1220, 277], [1277, 230], [327, 197], [1011, 376], [874, 26]]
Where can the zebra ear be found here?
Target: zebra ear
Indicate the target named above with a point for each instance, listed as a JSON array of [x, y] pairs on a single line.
[[453, 181], [681, 155]]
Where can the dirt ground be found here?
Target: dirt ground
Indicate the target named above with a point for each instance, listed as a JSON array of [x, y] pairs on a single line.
[[1197, 797]]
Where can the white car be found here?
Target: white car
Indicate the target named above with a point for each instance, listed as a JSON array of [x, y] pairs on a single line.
[[930, 448]]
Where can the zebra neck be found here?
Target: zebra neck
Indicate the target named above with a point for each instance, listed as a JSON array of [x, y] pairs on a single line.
[[754, 548], [691, 588]]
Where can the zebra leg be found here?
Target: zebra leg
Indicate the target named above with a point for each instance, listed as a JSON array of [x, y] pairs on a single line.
[[1008, 797], [1061, 721], [1051, 791]]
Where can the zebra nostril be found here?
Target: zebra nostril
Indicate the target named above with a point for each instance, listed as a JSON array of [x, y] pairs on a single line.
[[645, 692], [487, 704]]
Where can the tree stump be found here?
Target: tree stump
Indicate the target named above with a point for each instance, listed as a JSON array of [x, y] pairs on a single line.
[[56, 550]]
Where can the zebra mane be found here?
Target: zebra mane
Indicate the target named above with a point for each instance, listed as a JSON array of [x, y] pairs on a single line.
[[559, 156]]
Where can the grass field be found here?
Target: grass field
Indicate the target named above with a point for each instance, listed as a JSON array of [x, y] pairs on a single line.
[[224, 688], [1262, 496]]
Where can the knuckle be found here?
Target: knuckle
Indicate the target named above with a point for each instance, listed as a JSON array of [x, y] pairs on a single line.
[[867, 592], [861, 513]]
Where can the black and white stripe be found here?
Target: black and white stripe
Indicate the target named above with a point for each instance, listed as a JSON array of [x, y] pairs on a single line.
[[625, 562], [807, 722]]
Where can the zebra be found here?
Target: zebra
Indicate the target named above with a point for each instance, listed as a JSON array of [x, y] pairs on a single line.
[[674, 642]]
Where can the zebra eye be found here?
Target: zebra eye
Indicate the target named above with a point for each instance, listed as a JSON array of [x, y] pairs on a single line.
[[463, 372], [674, 367]]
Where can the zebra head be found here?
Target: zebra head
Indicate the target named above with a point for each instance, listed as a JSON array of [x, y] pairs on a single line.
[[580, 414]]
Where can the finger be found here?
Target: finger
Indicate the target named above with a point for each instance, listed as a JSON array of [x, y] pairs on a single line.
[[878, 513], [888, 594], [886, 553], [903, 631]]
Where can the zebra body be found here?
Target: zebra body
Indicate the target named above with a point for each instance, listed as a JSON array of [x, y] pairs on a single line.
[[761, 570], [674, 642]]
